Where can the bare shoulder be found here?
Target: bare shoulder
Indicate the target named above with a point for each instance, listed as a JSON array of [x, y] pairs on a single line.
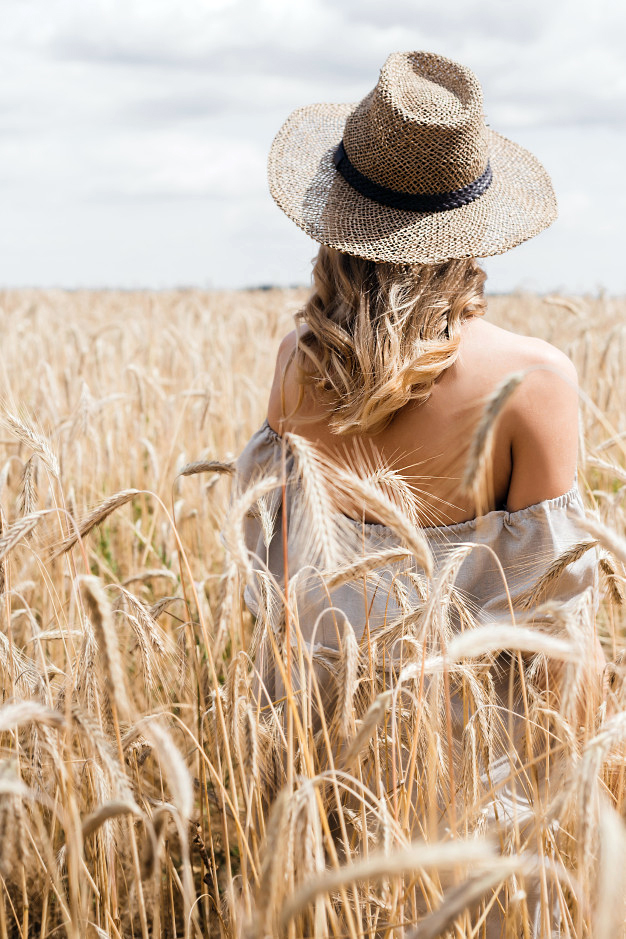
[[538, 425], [287, 347], [542, 424], [517, 353], [549, 378], [540, 355], [283, 384]]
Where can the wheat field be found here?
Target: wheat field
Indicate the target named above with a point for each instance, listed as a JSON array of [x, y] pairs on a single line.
[[142, 791]]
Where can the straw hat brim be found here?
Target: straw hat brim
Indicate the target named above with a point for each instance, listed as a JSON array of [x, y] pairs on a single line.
[[303, 180]]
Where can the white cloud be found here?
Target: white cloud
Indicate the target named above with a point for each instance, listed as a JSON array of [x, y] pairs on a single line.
[[124, 121]]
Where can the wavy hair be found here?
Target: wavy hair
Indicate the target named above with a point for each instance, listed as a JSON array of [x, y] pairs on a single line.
[[379, 335]]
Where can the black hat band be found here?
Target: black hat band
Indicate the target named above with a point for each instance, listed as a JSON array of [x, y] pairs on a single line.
[[409, 201]]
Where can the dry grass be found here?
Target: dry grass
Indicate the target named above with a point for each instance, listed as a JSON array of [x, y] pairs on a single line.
[[142, 792]]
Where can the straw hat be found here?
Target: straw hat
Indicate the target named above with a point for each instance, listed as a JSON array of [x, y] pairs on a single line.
[[412, 173]]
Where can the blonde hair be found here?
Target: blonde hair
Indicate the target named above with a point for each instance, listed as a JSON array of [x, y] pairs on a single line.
[[379, 335]]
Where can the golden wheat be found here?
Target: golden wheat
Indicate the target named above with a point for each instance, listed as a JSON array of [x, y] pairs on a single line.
[[147, 789]]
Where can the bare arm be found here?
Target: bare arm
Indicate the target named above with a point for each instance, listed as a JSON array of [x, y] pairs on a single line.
[[544, 441], [542, 423], [283, 385]]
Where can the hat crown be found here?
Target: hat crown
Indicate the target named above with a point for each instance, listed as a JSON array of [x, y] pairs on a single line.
[[422, 128]]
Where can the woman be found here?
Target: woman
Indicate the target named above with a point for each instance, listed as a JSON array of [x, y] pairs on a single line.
[[387, 376]]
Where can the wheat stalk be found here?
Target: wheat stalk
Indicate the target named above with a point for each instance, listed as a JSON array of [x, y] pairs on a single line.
[[272, 860]]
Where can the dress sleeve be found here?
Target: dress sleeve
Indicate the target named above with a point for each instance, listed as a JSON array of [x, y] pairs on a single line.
[[528, 549]]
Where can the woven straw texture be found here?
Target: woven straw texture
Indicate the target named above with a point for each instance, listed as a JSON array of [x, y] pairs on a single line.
[[421, 130]]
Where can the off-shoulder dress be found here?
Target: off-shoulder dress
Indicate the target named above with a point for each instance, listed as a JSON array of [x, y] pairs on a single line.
[[500, 556]]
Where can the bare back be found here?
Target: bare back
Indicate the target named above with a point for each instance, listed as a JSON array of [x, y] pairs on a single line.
[[535, 446]]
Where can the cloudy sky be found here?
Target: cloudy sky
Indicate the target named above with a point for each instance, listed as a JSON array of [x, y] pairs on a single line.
[[134, 133]]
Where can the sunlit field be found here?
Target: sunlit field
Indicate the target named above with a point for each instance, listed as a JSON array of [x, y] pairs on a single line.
[[143, 792]]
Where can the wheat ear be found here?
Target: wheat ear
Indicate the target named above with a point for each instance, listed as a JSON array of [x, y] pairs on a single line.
[[250, 745], [34, 440], [26, 712], [566, 304], [367, 727], [466, 896], [174, 766], [95, 517], [606, 536], [365, 565], [573, 554], [347, 679], [147, 622], [207, 466], [438, 856], [618, 471], [480, 446], [162, 605], [318, 499], [614, 583], [389, 514], [28, 492], [17, 531], [151, 575], [100, 614], [104, 812], [233, 529]]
